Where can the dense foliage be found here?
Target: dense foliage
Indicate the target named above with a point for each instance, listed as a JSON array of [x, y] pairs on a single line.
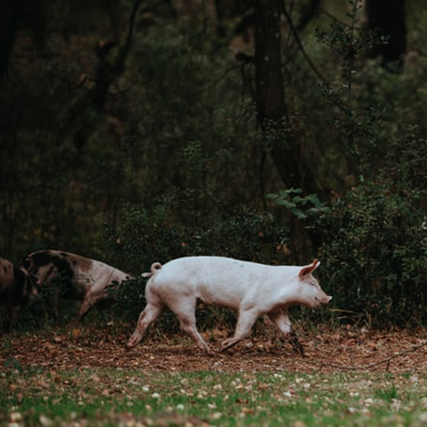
[[143, 151]]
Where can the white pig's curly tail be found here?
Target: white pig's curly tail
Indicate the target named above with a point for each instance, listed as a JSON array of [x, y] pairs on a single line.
[[155, 267]]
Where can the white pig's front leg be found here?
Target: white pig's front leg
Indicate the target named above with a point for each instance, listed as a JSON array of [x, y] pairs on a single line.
[[280, 319], [244, 325]]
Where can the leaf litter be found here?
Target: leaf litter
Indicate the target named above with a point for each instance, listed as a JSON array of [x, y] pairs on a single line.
[[360, 372], [326, 351]]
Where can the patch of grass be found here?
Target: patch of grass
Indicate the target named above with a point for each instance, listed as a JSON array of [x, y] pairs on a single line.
[[104, 397], [388, 393]]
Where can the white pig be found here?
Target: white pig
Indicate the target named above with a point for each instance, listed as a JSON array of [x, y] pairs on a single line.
[[249, 288]]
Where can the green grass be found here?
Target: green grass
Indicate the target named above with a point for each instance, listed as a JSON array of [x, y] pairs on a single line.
[[112, 397]]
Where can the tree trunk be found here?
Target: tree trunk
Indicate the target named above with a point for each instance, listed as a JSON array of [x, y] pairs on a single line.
[[270, 98], [279, 139]]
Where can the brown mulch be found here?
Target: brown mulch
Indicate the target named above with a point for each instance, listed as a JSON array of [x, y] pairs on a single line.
[[345, 349]]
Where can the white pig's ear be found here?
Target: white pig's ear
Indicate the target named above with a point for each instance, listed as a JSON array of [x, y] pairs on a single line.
[[305, 271]]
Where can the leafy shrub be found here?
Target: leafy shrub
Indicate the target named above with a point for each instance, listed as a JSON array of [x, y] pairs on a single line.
[[303, 207], [375, 257], [374, 237]]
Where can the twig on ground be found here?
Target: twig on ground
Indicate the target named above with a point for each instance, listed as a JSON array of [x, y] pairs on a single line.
[[366, 367]]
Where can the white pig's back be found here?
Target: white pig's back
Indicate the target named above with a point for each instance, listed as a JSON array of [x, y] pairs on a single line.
[[214, 280]]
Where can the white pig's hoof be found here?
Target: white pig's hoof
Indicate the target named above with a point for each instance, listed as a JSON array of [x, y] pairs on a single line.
[[210, 352], [134, 340], [227, 344]]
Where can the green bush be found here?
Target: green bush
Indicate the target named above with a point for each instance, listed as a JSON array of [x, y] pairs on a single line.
[[373, 248], [375, 256]]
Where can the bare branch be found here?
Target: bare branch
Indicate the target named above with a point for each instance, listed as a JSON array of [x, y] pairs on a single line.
[[369, 366], [132, 24], [299, 43], [335, 19]]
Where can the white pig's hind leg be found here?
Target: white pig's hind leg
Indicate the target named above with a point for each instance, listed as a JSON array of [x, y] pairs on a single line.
[[185, 310], [85, 306], [146, 318]]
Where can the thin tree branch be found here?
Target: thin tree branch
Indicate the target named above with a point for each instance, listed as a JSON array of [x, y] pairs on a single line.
[[335, 19], [216, 80], [299, 43], [132, 24], [366, 367], [118, 64]]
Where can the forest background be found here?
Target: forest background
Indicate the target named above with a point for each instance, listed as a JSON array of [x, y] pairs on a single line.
[[271, 131]]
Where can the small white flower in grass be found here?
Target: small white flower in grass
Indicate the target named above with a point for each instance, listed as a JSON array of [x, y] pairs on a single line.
[[180, 407], [202, 393], [15, 416], [145, 388], [396, 404], [155, 396], [45, 421]]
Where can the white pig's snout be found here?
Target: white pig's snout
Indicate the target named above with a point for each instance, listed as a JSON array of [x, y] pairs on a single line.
[[323, 301]]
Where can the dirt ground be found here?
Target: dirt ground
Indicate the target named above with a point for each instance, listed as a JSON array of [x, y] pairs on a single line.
[[346, 349]]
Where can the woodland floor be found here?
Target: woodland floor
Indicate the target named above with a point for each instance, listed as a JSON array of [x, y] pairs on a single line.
[[344, 349]]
